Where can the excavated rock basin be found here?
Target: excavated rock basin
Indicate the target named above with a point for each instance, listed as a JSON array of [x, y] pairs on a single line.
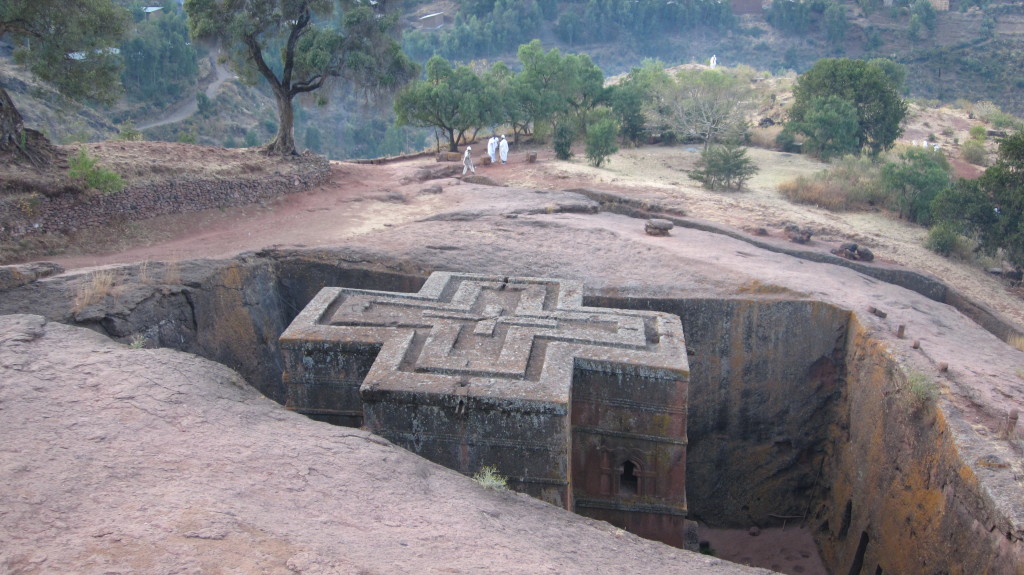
[[795, 414]]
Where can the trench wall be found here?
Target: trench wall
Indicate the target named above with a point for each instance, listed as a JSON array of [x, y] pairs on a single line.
[[795, 409], [897, 496], [765, 377]]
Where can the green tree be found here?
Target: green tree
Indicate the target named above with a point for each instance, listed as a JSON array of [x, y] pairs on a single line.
[[1004, 183], [914, 181], [880, 110], [562, 141], [924, 13], [447, 100], [295, 46], [724, 167], [601, 136], [69, 44], [160, 62], [836, 24], [830, 126], [540, 83], [710, 105]]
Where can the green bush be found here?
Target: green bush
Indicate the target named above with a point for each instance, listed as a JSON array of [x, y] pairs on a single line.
[[978, 132], [913, 180], [724, 167], [562, 141], [489, 477], [601, 141], [973, 151], [943, 239], [83, 167]]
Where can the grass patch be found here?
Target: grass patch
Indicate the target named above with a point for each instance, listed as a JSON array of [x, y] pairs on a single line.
[[94, 289], [852, 183], [489, 477], [138, 341], [1017, 341], [922, 388], [83, 167]]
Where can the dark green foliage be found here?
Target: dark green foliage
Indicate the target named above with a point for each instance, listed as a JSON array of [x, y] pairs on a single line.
[[159, 60], [627, 101], [724, 167], [924, 13], [311, 48], [601, 135], [452, 100], [565, 133], [489, 28], [866, 86], [70, 44], [835, 24], [790, 17], [830, 126], [55, 29], [914, 181], [83, 167], [942, 239]]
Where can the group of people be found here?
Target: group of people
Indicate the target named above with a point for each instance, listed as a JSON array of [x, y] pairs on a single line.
[[495, 148], [499, 147]]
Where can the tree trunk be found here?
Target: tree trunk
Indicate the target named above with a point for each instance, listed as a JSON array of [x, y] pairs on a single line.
[[453, 142], [12, 128], [18, 141], [284, 142]]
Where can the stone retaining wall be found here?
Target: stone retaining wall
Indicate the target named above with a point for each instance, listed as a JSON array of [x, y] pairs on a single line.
[[30, 214]]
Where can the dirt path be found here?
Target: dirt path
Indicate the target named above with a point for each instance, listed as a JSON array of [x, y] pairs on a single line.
[[221, 74], [362, 198]]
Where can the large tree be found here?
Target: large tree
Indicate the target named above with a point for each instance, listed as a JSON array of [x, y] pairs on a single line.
[[71, 45], [869, 87], [299, 45], [452, 100], [991, 208], [707, 104]]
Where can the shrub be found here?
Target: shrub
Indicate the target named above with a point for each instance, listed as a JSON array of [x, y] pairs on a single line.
[[943, 239], [978, 132], [973, 151], [564, 135], [601, 141], [128, 133], [83, 167], [724, 167], [922, 388], [489, 477], [913, 180]]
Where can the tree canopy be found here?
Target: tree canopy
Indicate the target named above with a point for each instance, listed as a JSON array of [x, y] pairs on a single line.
[[550, 88], [449, 99], [866, 85], [991, 208], [70, 44], [297, 46], [709, 105]]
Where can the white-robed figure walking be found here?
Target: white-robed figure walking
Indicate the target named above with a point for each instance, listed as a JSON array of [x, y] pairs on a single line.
[[503, 149], [467, 161], [492, 148]]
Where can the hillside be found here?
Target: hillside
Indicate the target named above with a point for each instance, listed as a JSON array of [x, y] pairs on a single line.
[[970, 54]]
